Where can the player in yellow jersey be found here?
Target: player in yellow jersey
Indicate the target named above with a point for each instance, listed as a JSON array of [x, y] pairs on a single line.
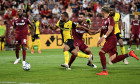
[[2, 34], [66, 26], [36, 35], [117, 18]]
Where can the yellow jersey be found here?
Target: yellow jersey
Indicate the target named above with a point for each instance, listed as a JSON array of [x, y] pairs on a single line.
[[66, 29], [37, 24], [117, 18]]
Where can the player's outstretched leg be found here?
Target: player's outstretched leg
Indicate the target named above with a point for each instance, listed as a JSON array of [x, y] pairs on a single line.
[[17, 53], [121, 57], [24, 54], [122, 48], [79, 54], [88, 51]]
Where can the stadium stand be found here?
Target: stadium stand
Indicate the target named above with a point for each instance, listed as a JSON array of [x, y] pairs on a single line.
[[8, 10]]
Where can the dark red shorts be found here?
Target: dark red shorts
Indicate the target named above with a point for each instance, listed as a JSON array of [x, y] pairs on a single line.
[[110, 46], [135, 35], [21, 40], [80, 43]]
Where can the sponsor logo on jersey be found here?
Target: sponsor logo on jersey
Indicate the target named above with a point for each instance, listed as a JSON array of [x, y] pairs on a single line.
[[79, 31], [104, 27], [135, 24], [20, 23]]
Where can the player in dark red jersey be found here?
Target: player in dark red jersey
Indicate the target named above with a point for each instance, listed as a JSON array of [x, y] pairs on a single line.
[[78, 39], [110, 46], [21, 30], [135, 26]]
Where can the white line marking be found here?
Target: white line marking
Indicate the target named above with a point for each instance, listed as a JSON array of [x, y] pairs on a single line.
[[4, 82], [7, 82], [42, 56]]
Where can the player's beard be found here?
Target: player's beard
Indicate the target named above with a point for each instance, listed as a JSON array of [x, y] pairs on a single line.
[[80, 21], [112, 14], [20, 16]]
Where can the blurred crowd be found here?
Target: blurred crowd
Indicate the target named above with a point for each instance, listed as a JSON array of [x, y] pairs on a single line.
[[53, 8], [49, 11]]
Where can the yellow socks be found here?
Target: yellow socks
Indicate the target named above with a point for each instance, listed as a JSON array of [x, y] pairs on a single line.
[[38, 40], [27, 43], [32, 46], [66, 55], [82, 55], [123, 50], [1, 46]]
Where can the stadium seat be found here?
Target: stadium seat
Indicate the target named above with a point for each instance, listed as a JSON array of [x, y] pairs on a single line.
[[50, 20], [74, 19], [74, 15], [55, 20]]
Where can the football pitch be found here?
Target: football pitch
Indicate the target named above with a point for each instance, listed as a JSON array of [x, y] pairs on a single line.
[[46, 69]]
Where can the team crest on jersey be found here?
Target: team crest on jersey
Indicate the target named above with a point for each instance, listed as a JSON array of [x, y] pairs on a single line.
[[22, 20], [67, 25]]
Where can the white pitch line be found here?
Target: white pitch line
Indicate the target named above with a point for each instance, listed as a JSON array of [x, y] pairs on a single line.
[[28, 83], [42, 56], [7, 82], [4, 82]]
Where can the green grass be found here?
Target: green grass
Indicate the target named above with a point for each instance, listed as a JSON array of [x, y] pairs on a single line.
[[46, 69]]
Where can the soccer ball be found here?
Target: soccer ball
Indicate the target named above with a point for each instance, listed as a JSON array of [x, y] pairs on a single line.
[[27, 67]]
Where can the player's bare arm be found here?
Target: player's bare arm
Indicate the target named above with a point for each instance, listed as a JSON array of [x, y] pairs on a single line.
[[85, 28], [110, 29], [14, 29], [82, 27], [53, 27], [94, 32], [122, 27], [32, 28], [130, 29]]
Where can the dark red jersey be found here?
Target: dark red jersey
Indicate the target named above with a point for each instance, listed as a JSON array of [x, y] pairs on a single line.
[[21, 25], [135, 26], [105, 24], [78, 32]]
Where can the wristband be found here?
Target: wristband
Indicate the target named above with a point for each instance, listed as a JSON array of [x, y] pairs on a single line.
[[105, 36]]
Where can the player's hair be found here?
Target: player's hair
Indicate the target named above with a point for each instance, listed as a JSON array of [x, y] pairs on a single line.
[[112, 6], [66, 14], [105, 9], [82, 13], [20, 10]]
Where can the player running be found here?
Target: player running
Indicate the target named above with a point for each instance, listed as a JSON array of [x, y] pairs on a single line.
[[66, 27], [110, 46], [117, 18], [2, 33], [36, 35], [78, 40], [21, 30], [135, 26]]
